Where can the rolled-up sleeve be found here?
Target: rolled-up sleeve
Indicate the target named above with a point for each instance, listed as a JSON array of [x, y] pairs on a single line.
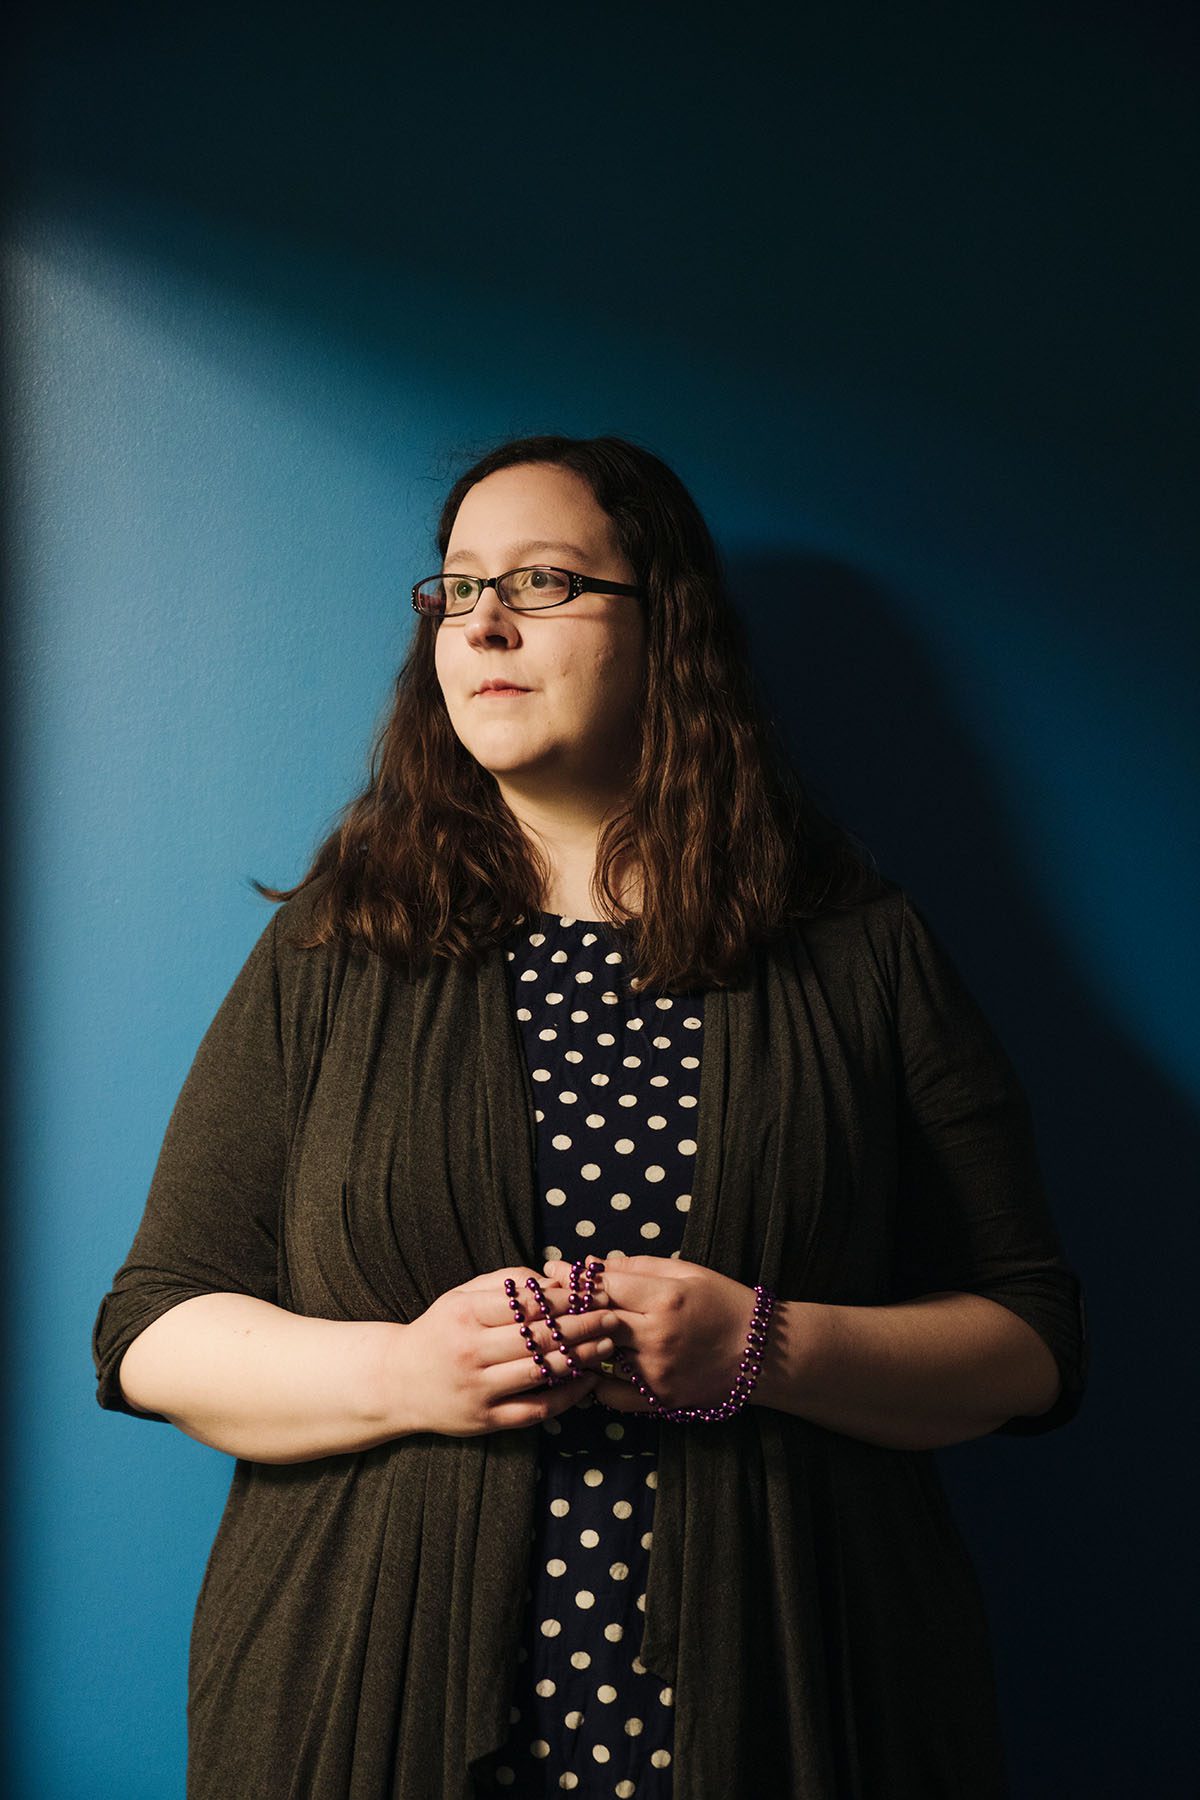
[[973, 1213], [211, 1218]]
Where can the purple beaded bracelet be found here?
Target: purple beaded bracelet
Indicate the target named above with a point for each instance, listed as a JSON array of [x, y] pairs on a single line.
[[582, 1283]]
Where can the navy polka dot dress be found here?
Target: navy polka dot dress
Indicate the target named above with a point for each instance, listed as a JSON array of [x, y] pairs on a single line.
[[616, 1081]]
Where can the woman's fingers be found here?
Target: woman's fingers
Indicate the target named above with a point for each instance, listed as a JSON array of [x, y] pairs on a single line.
[[585, 1335], [492, 1305]]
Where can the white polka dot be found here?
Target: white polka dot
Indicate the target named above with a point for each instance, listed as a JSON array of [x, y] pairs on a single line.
[[656, 1121], [638, 1666], [686, 1146], [660, 1758], [633, 1024], [609, 998], [623, 1145], [559, 956], [689, 1062], [573, 1055], [556, 1566], [600, 1753], [634, 1727], [647, 1539], [589, 1539], [580, 1659], [595, 1120], [606, 1038], [662, 1043], [556, 1196], [548, 1035], [537, 937], [551, 1627], [658, 1081], [633, 1062], [540, 1747], [607, 1693], [652, 1479], [568, 1779], [541, 1074], [619, 1571], [585, 1228], [627, 1100], [667, 1696], [624, 1790], [650, 1229], [551, 1253], [600, 1080], [523, 1012], [664, 1005], [529, 975], [687, 1099], [655, 1172], [585, 1599], [614, 1633], [546, 1687], [621, 1509], [684, 1202], [693, 1024], [560, 1508], [590, 1171], [553, 999], [573, 1720], [583, 975], [589, 937], [561, 1141], [641, 1602], [614, 956], [619, 1202]]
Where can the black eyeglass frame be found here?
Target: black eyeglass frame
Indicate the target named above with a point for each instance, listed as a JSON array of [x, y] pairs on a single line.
[[580, 584]]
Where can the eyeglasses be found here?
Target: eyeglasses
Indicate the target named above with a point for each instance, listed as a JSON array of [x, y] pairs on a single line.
[[522, 590]]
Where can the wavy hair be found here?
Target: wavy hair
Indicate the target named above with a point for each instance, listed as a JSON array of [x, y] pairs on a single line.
[[730, 847]]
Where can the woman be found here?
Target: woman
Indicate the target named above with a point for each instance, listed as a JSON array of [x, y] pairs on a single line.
[[586, 1045]]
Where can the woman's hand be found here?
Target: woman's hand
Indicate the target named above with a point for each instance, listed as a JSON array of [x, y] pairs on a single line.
[[462, 1366], [682, 1327]]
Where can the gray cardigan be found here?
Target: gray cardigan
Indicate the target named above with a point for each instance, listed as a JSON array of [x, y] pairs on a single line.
[[349, 1143]]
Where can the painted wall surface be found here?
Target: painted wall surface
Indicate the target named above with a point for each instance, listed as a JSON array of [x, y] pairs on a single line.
[[901, 293]]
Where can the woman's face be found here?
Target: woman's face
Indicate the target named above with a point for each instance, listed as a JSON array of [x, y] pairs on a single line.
[[582, 664]]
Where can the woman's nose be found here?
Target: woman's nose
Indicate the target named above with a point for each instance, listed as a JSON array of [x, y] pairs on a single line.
[[489, 615]]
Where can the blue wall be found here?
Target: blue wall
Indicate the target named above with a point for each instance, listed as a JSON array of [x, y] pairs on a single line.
[[901, 296]]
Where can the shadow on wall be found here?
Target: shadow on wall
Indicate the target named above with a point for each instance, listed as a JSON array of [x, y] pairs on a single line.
[[864, 717]]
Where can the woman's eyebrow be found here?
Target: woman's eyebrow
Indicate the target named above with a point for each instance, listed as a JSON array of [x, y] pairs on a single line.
[[527, 549]]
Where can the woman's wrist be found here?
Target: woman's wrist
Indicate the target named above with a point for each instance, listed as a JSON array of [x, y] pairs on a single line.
[[390, 1386], [792, 1346]]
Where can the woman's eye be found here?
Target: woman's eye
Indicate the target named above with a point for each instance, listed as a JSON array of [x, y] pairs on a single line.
[[462, 590]]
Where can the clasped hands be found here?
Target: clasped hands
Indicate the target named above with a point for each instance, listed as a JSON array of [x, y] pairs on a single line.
[[681, 1326]]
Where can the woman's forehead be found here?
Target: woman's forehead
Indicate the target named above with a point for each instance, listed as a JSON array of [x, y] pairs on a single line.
[[533, 509]]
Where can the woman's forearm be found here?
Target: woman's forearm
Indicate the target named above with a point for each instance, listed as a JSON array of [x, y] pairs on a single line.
[[260, 1382], [932, 1371]]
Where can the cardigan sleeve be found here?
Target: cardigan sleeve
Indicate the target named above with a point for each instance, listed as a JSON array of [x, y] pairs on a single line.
[[210, 1223], [973, 1214]]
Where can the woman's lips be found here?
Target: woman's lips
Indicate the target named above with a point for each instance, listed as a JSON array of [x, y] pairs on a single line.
[[507, 693]]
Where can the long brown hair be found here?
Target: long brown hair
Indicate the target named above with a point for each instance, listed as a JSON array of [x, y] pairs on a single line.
[[729, 846]]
